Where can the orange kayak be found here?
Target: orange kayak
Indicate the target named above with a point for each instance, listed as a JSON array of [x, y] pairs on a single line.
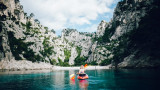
[[82, 76]]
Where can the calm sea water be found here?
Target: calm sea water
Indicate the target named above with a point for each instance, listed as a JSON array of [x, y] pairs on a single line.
[[98, 80]]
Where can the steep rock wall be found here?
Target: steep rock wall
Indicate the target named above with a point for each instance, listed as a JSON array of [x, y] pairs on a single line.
[[133, 34]]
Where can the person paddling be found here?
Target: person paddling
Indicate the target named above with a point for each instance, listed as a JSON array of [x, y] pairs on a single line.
[[81, 74], [81, 70]]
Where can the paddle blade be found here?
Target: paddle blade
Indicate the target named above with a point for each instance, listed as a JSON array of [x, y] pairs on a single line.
[[72, 76], [85, 66]]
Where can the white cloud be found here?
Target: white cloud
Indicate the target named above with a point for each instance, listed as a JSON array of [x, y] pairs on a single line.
[[59, 14]]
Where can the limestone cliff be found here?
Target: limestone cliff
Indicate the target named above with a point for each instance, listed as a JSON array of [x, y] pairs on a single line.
[[22, 37]]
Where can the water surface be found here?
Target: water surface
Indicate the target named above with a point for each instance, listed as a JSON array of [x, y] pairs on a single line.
[[98, 80]]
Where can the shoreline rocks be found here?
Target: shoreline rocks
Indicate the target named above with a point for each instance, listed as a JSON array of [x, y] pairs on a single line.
[[24, 65], [14, 65]]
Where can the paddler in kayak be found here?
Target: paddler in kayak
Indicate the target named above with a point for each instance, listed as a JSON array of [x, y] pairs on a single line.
[[81, 70], [81, 73]]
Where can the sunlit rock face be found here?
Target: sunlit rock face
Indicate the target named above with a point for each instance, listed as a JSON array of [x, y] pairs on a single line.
[[21, 34], [80, 39], [101, 28]]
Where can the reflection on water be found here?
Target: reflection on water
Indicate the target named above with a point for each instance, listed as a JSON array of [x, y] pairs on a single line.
[[23, 72], [59, 79], [83, 84], [71, 72], [72, 81], [98, 79]]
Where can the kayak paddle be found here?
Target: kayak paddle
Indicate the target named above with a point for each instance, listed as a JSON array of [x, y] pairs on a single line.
[[72, 76], [85, 66]]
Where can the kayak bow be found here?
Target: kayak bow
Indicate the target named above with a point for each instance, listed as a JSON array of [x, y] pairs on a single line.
[[82, 76]]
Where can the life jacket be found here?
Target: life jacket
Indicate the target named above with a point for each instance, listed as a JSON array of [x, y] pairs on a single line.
[[81, 71]]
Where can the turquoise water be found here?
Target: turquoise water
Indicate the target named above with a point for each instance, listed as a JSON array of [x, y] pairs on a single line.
[[98, 80]]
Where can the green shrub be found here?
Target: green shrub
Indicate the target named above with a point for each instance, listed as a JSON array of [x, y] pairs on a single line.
[[78, 49], [18, 46], [46, 28], [47, 49], [93, 63], [13, 18], [10, 25], [32, 15], [53, 62], [17, 22], [53, 31], [16, 11], [66, 64], [80, 60], [24, 25], [1, 25], [107, 34], [2, 6], [90, 52], [105, 62], [67, 54], [1, 47], [16, 1], [30, 55], [25, 14], [2, 18], [37, 21], [62, 63], [35, 31], [28, 26]]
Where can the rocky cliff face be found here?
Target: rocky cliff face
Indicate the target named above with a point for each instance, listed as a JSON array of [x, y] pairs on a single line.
[[143, 48], [22, 37], [133, 34], [129, 40], [80, 42]]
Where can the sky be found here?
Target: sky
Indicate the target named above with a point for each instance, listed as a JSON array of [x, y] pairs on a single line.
[[83, 15]]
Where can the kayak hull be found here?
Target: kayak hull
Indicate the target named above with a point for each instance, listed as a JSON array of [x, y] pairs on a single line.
[[82, 77]]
